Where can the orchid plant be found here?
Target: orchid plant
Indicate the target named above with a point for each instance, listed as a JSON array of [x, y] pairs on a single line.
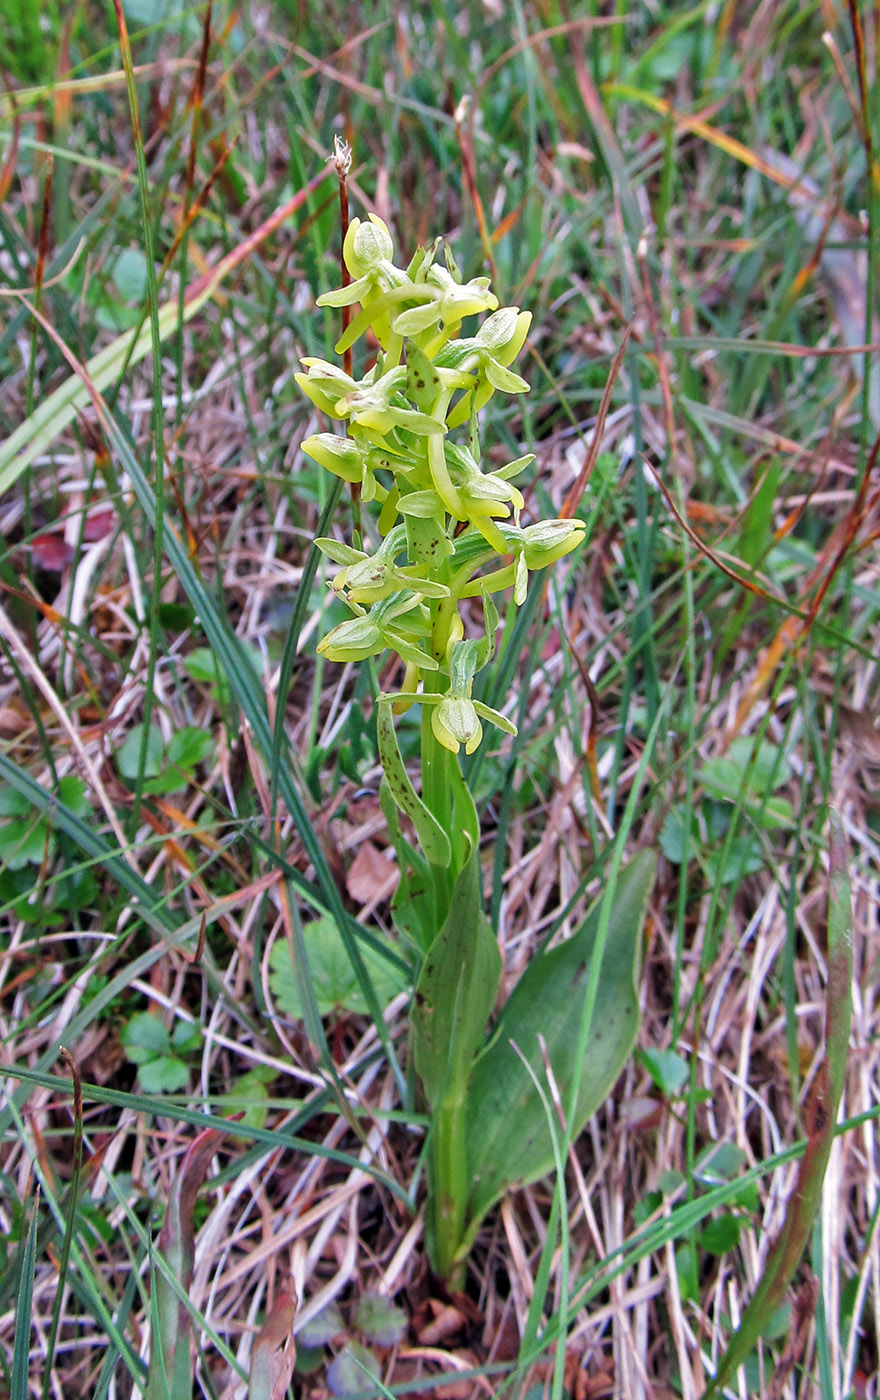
[[449, 537]]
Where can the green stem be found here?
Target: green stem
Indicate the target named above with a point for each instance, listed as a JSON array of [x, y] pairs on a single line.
[[437, 796], [448, 1187]]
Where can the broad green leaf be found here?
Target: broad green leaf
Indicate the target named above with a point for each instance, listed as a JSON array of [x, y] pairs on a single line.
[[334, 980], [508, 1141], [456, 989]]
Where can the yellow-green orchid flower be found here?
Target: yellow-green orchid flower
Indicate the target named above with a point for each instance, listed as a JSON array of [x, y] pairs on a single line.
[[456, 716], [385, 626], [368, 578]]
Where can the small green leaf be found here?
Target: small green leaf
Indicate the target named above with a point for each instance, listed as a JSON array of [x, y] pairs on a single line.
[[165, 1075], [778, 1325], [719, 1163], [674, 831], [12, 803], [130, 274], [144, 1037], [204, 668], [251, 1090], [73, 792], [667, 1069], [644, 1209], [743, 857], [670, 1181], [322, 1328], [333, 977], [129, 754], [351, 1371], [24, 843], [186, 1036], [720, 1235], [189, 747], [177, 617], [760, 772], [308, 1359], [380, 1320]]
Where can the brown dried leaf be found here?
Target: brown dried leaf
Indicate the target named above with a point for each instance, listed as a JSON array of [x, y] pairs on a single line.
[[371, 878], [274, 1352]]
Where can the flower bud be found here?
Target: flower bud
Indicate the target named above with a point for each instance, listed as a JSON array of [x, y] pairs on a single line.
[[367, 245], [338, 455], [550, 540], [455, 722], [353, 640]]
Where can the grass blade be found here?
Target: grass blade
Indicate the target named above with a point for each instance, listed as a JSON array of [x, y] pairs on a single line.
[[21, 1350], [70, 1222]]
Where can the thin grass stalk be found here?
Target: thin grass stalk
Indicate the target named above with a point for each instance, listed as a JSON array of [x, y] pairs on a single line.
[[70, 1223], [158, 417]]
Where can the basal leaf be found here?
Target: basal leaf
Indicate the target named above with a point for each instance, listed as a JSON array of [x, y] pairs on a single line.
[[508, 1141]]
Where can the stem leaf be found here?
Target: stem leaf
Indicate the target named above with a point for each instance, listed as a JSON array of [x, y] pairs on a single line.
[[432, 838], [456, 990]]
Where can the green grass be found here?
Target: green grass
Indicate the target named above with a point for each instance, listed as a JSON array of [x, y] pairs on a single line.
[[581, 135]]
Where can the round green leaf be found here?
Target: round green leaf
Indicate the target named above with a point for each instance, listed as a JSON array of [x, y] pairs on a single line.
[[166, 1075], [380, 1320], [333, 977], [128, 756], [146, 1035]]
